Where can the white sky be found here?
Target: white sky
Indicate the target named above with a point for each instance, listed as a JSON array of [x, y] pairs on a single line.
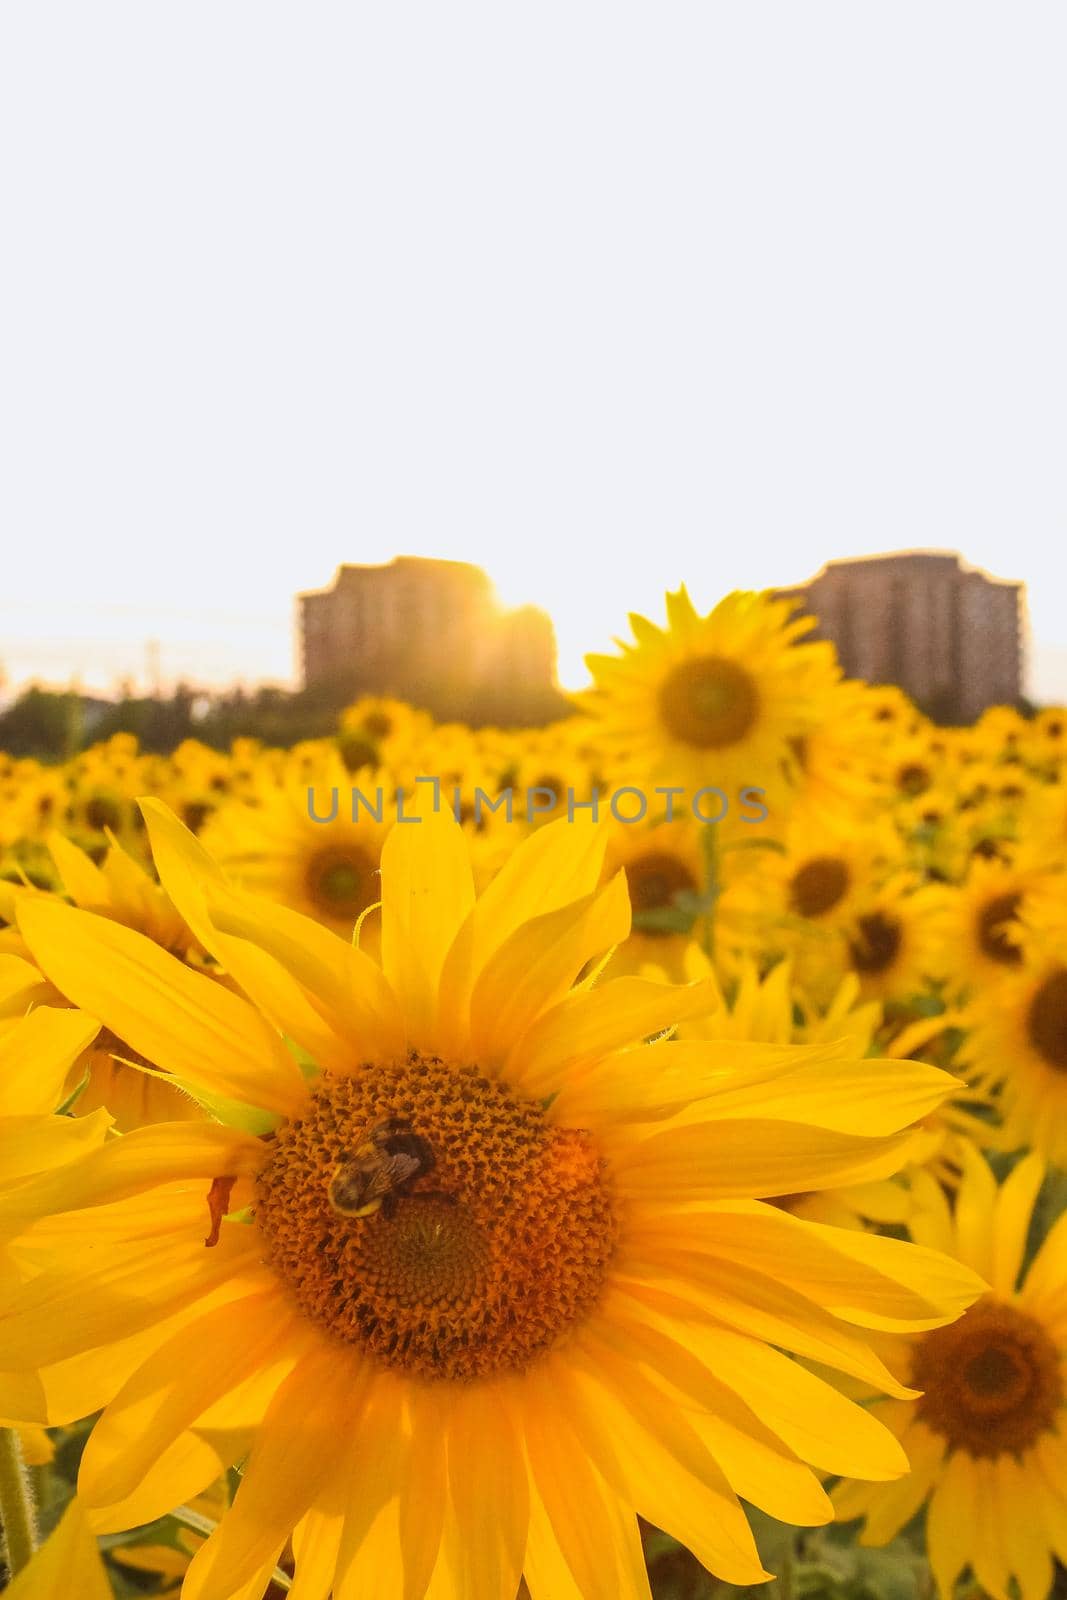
[[600, 296]]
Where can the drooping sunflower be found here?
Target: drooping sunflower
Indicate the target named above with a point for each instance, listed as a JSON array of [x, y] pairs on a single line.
[[714, 700], [486, 1278], [987, 1436]]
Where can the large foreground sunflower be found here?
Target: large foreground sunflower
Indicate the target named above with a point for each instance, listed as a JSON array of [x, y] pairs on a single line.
[[486, 1279], [986, 1438]]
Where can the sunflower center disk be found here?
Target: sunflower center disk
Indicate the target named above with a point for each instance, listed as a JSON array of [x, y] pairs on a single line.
[[708, 702], [470, 1266], [817, 885], [992, 1380], [993, 935], [341, 882], [655, 880], [1047, 1021], [878, 944]]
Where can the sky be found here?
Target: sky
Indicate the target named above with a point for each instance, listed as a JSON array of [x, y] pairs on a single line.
[[603, 297]]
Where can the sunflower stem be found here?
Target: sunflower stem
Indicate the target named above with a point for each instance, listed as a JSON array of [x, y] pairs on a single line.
[[18, 1513], [712, 886], [787, 1587]]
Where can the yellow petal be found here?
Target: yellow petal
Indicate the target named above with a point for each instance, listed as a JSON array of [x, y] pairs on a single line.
[[313, 986], [32, 1144], [950, 1522], [650, 1445], [554, 867], [816, 1422], [295, 1452], [36, 1056], [316, 1540], [975, 1202], [82, 878], [427, 893], [575, 1511], [22, 985], [1011, 1221], [178, 1020], [423, 1494], [114, 1292], [174, 1387], [343, 985], [488, 1490], [760, 1304], [1025, 1543], [595, 1023], [67, 1564], [897, 1503], [863, 1278], [537, 964], [370, 1553], [138, 1161], [748, 1156]]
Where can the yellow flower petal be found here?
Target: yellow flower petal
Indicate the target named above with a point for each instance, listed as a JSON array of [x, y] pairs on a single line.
[[138, 1161], [1011, 1221], [862, 1278], [312, 985], [556, 866], [537, 964], [590, 1024], [579, 1513], [296, 1450], [747, 1156], [185, 1023], [683, 1470], [427, 893], [486, 1470], [33, 1144], [36, 1056], [68, 1563], [175, 1386], [898, 1502], [113, 1293]]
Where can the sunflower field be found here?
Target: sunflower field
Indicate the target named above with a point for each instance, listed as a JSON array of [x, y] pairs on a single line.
[[619, 1159]]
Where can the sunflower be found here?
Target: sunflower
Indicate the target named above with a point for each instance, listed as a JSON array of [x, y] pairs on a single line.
[[981, 931], [1016, 1047], [565, 1313], [376, 731], [666, 869], [891, 941], [283, 846], [811, 886], [716, 700], [987, 1436]]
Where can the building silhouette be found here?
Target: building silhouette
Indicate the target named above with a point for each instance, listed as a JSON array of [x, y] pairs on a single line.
[[433, 633], [949, 635]]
